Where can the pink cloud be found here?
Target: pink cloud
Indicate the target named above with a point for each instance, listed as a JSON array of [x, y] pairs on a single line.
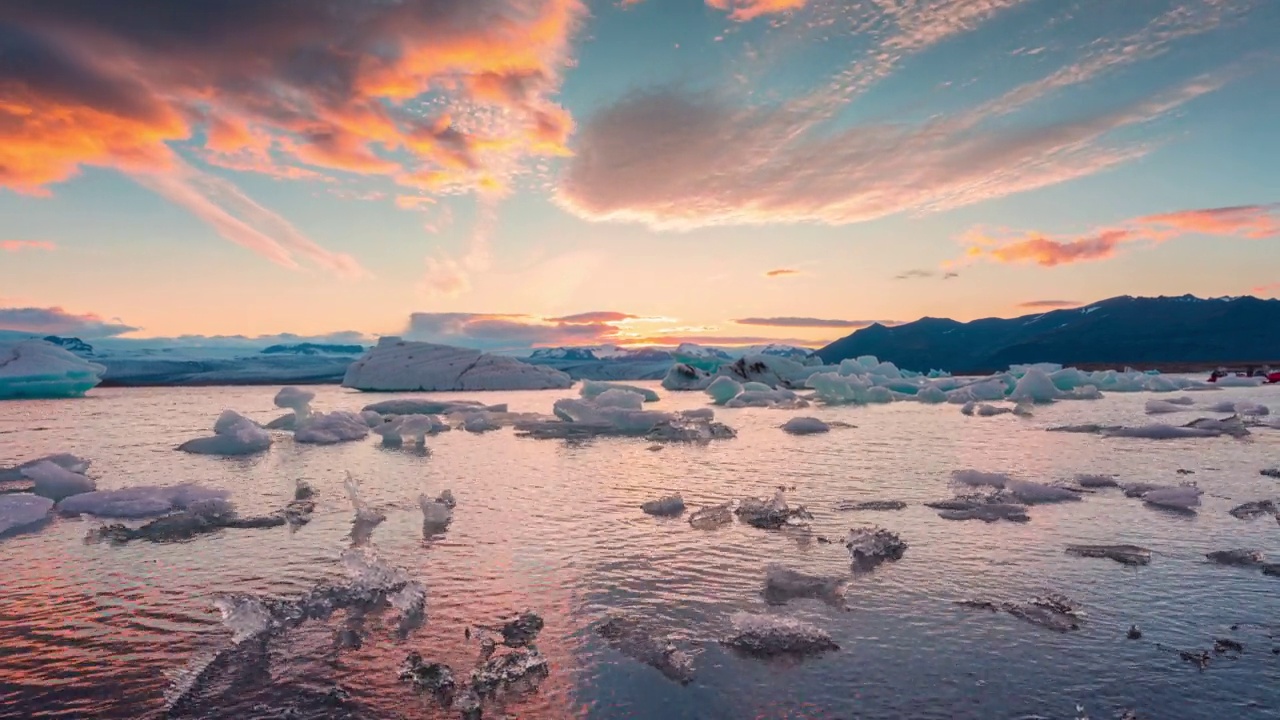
[[20, 245], [1246, 221], [746, 10]]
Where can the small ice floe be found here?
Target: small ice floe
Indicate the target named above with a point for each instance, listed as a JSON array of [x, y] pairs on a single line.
[[712, 516], [780, 398], [985, 410], [594, 388], [331, 428], [517, 669], [1239, 557], [1183, 498], [298, 512], [233, 434], [690, 426], [1123, 554], [1023, 491], [366, 519], [521, 629], [985, 511], [66, 461], [207, 516], [666, 506], [138, 502], [1055, 612], [22, 511], [479, 422], [805, 426], [774, 635], [871, 545], [411, 601], [635, 640], [782, 584], [1096, 481], [770, 514], [1251, 510], [870, 505], [436, 678], [417, 427], [296, 400], [53, 481], [1159, 407]]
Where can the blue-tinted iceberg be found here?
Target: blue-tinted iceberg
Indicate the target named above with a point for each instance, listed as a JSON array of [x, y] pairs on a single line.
[[37, 369]]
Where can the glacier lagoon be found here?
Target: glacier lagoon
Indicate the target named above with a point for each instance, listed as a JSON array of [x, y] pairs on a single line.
[[132, 630]]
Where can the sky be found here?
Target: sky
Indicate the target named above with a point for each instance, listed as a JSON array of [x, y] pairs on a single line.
[[517, 173]]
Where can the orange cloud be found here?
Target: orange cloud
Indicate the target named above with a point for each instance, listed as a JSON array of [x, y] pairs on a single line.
[[20, 245], [1245, 221], [746, 10], [1268, 289], [781, 272]]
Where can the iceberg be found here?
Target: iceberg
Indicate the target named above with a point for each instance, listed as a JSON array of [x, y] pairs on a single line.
[[330, 428], [780, 398], [396, 365], [805, 426], [776, 372], [665, 506], [723, 389], [139, 502], [1035, 386], [19, 511], [233, 434], [683, 376], [593, 388], [36, 369], [55, 482]]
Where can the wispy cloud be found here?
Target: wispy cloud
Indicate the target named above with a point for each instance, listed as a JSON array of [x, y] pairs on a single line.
[[914, 275], [498, 331], [595, 316], [14, 246], [809, 322], [781, 272], [57, 321], [672, 158], [1049, 304], [746, 10], [1268, 289], [1245, 221]]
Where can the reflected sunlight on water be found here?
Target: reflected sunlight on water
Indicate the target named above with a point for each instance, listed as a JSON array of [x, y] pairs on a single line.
[[96, 630]]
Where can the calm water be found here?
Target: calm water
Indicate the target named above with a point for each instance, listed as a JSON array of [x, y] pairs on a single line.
[[96, 630]]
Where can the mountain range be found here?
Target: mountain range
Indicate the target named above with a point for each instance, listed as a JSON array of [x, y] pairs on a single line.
[[1118, 331]]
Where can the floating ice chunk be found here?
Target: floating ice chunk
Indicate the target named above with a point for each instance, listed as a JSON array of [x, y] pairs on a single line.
[[805, 426], [850, 505], [479, 422], [755, 387], [138, 502], [1035, 386], [682, 376], [666, 506], [698, 414], [684, 428], [985, 410], [969, 408], [594, 388], [1022, 409], [771, 514], [782, 584], [55, 482], [618, 398], [1124, 554], [1096, 481], [780, 398], [429, 677], [245, 617], [525, 666], [1157, 431], [633, 639], [723, 389], [39, 369], [371, 418], [1237, 381], [977, 478], [712, 517], [1156, 407], [776, 372], [1251, 409], [1033, 493], [397, 365], [1253, 509], [1054, 612], [1185, 497], [1243, 557], [22, 510], [838, 389], [872, 545], [295, 399], [233, 434], [427, 406], [364, 513], [988, 512], [417, 427], [1232, 426], [330, 428], [66, 461], [411, 601], [1084, 392], [437, 512], [772, 635]]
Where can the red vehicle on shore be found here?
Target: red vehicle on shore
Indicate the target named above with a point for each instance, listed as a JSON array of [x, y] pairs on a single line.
[[1272, 376]]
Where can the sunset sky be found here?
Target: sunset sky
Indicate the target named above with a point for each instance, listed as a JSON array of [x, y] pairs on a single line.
[[513, 173]]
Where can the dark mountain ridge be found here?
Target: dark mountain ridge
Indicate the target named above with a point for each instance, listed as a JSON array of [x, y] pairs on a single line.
[[1121, 331]]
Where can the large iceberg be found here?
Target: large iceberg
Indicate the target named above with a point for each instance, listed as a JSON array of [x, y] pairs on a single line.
[[37, 369], [397, 365]]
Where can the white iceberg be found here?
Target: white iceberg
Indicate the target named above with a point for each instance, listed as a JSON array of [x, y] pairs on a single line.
[[396, 365], [330, 428], [428, 406], [33, 369], [620, 398], [66, 461], [594, 388], [22, 510], [233, 434], [1035, 386], [139, 502], [55, 482]]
